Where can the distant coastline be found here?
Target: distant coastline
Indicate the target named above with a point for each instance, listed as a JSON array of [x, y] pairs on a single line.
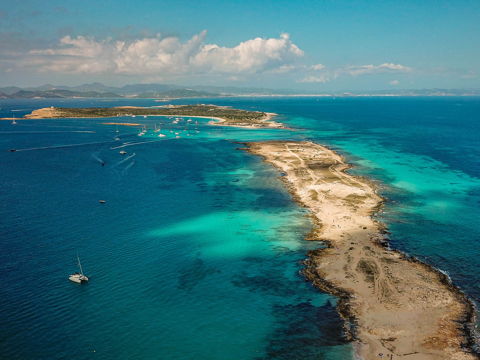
[[166, 92]]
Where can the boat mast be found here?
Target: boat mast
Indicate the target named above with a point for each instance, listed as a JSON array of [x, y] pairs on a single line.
[[80, 265]]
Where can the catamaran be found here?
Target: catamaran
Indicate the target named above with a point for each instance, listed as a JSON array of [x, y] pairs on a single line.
[[79, 278]]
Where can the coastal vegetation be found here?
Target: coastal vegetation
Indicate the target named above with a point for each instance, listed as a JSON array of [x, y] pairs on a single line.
[[225, 115]]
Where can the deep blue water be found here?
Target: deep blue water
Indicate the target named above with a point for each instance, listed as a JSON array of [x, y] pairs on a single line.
[[196, 253]]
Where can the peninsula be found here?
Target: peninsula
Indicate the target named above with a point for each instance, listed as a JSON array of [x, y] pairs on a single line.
[[395, 307], [225, 116]]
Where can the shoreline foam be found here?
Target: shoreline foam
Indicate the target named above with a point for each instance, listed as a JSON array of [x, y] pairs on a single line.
[[392, 304]]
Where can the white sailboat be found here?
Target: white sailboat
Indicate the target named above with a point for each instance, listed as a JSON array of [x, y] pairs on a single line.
[[78, 278]]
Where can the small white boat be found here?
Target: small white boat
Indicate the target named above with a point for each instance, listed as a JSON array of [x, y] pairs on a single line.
[[143, 132], [80, 277], [161, 135], [14, 122], [122, 152]]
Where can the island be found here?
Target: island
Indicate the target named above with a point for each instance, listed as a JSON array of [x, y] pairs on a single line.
[[224, 115]]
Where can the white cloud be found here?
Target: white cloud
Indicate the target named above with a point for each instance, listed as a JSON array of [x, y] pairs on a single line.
[[323, 78], [394, 82], [323, 74], [317, 67], [164, 56], [372, 69], [168, 58], [282, 69]]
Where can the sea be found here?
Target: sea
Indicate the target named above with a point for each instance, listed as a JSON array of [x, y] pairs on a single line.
[[197, 251]]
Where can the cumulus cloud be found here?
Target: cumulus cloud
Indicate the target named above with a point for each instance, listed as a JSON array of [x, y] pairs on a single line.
[[164, 55]]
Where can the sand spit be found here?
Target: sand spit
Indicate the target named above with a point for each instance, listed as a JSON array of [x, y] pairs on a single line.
[[264, 122], [43, 113], [394, 307]]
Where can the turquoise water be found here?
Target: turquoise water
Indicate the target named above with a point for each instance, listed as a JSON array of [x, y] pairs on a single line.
[[197, 251]]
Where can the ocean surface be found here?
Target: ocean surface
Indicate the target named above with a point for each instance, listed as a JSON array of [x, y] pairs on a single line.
[[197, 251]]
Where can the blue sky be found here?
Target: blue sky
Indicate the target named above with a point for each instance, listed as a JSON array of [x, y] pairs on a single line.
[[311, 45]]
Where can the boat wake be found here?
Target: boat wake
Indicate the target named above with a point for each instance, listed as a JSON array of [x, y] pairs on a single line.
[[128, 167], [61, 146], [98, 159], [124, 160], [132, 144]]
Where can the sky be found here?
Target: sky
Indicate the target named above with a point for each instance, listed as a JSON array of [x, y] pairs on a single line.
[[319, 45]]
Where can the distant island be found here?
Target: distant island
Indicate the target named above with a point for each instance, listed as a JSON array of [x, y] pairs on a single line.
[[225, 115], [63, 93], [165, 92]]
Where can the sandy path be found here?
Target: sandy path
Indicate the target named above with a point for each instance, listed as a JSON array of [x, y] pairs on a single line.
[[394, 307]]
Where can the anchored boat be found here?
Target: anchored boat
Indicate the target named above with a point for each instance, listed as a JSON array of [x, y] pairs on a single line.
[[80, 277]]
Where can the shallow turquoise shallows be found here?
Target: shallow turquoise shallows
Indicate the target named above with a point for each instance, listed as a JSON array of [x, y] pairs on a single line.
[[197, 250]]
